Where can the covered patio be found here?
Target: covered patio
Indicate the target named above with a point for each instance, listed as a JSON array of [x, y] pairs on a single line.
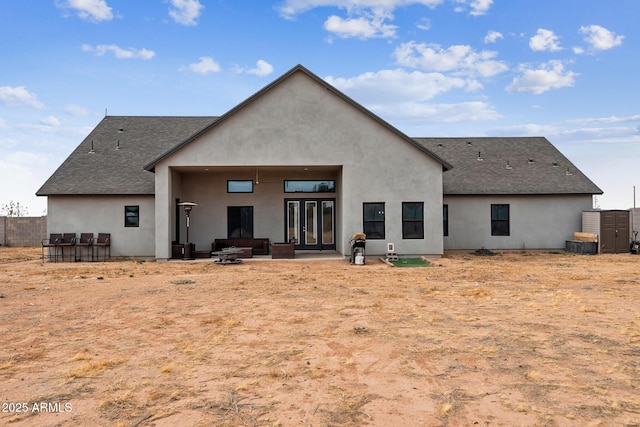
[[277, 204]]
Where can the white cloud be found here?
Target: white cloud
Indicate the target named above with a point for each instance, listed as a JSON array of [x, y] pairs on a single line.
[[492, 37], [396, 86], [424, 24], [459, 59], [32, 168], [19, 96], [478, 7], [611, 119], [575, 131], [185, 12], [291, 8], [403, 97], [599, 38], [118, 52], [23, 158], [361, 27], [205, 66], [550, 75], [364, 18], [426, 113], [544, 40], [263, 68], [90, 10], [76, 110], [50, 121]]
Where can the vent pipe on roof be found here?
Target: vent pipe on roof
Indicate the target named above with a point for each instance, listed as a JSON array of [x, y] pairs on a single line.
[[508, 165], [531, 161], [92, 151], [480, 156], [118, 145], [568, 172]]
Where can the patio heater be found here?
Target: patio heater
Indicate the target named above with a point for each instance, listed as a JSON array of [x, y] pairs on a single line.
[[188, 247]]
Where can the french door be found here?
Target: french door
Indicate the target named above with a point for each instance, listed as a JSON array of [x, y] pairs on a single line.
[[311, 223]]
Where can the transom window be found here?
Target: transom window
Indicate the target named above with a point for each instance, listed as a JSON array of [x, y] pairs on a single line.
[[303, 186], [245, 186]]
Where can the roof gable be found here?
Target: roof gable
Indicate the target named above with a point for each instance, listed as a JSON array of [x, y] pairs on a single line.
[[299, 69], [518, 165]]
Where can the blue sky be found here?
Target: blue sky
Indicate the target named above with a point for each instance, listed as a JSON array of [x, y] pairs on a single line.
[[566, 70]]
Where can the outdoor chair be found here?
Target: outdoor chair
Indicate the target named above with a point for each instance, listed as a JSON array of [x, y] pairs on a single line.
[[51, 244], [103, 241], [68, 241], [86, 241]]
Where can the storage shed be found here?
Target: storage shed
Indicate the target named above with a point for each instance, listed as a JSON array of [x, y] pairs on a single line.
[[612, 228]]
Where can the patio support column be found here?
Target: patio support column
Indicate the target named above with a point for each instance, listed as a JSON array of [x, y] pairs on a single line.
[[163, 212]]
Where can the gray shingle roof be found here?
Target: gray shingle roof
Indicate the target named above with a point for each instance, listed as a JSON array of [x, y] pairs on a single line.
[[110, 171], [519, 165]]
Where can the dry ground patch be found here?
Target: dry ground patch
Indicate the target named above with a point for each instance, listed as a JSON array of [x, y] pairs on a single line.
[[515, 339]]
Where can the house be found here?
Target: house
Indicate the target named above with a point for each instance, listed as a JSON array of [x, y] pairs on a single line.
[[301, 161]]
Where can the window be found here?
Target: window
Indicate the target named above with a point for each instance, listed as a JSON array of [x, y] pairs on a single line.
[[373, 220], [499, 220], [327, 186], [132, 216], [412, 220], [240, 186], [240, 221], [445, 220]]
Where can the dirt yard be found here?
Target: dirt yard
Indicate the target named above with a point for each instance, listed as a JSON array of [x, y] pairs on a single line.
[[514, 339]]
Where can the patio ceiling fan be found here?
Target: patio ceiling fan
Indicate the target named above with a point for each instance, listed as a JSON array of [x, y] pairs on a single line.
[[258, 182]]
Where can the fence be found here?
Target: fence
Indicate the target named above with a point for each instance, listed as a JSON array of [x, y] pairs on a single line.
[[22, 230]]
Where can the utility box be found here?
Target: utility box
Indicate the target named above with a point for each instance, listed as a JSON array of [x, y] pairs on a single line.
[[611, 227]]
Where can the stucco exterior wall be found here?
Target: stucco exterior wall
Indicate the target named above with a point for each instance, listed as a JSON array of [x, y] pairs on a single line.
[[105, 214], [536, 222], [301, 123]]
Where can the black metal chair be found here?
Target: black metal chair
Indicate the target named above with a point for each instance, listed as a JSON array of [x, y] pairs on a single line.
[[103, 241], [86, 241], [52, 242], [68, 241]]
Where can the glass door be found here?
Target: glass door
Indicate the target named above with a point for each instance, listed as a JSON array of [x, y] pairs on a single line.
[[328, 224], [310, 223], [310, 228], [293, 221]]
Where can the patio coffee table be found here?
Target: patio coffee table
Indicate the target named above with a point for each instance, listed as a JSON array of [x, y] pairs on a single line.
[[227, 256]]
